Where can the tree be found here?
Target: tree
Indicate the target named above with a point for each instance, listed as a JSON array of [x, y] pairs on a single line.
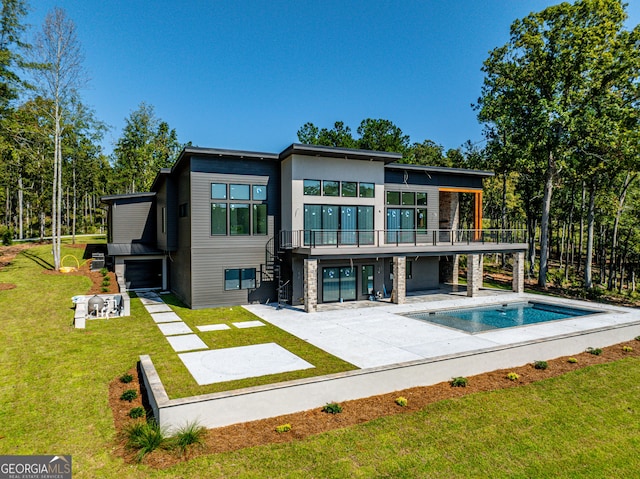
[[382, 135], [11, 60], [339, 136], [146, 145], [540, 82], [58, 50]]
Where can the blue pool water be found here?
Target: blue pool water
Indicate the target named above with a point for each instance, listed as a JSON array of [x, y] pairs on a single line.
[[475, 320]]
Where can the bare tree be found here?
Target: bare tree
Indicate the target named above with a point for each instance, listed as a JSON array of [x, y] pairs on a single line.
[[58, 51]]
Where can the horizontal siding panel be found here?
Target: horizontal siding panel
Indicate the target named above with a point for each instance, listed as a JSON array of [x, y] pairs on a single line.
[[134, 222]]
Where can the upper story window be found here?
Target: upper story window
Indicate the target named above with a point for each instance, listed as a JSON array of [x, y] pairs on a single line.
[[367, 190], [312, 187], [349, 188], [239, 192], [241, 212], [330, 188], [218, 191]]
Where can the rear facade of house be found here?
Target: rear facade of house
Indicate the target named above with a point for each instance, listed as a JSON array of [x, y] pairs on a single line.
[[309, 225]]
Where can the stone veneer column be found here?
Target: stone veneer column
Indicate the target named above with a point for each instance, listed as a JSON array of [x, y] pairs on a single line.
[[474, 274], [518, 272], [310, 285], [449, 270], [399, 279]]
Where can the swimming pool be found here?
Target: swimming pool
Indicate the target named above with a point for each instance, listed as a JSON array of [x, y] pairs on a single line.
[[499, 316]]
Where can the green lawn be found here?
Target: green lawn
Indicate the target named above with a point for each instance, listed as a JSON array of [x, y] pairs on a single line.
[[53, 400]]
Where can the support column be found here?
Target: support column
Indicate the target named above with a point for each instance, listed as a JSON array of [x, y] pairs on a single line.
[[518, 272], [310, 285], [449, 270], [399, 292], [474, 274]]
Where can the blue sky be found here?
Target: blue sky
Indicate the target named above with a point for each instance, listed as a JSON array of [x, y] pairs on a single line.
[[247, 75]]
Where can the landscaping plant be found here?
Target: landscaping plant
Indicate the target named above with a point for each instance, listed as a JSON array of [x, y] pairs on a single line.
[[283, 428], [594, 351], [192, 434], [145, 437], [401, 401], [332, 408], [126, 378], [541, 365], [572, 360], [129, 395], [137, 412], [459, 382], [513, 376]]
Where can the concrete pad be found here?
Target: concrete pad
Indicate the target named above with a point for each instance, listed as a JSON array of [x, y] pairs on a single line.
[[213, 327], [186, 342], [165, 317], [150, 299], [157, 308], [171, 329], [218, 365], [248, 324]]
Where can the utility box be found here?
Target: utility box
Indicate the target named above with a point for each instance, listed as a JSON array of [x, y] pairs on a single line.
[[97, 262]]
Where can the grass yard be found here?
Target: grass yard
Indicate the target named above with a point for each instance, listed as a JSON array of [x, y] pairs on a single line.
[[53, 400]]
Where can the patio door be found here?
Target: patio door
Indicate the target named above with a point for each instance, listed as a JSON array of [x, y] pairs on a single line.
[[338, 283]]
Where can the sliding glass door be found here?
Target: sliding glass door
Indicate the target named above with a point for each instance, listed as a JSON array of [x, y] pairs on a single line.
[[338, 283]]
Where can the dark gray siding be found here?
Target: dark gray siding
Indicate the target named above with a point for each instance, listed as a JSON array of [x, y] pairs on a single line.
[[413, 177], [211, 255], [133, 220], [166, 198], [180, 258]]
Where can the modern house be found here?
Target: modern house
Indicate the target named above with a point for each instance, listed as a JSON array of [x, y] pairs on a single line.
[[310, 225]]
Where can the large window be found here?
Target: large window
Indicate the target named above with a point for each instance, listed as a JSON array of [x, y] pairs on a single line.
[[406, 216], [239, 278], [232, 217], [348, 189], [312, 187], [333, 224], [367, 190]]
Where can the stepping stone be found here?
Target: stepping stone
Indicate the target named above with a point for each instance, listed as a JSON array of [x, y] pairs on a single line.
[[213, 327], [186, 342], [151, 301], [171, 329], [248, 324], [217, 365], [166, 317], [157, 308]]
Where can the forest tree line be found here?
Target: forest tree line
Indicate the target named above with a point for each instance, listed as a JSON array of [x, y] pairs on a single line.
[[560, 105]]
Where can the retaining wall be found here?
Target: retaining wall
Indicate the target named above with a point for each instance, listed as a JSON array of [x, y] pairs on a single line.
[[242, 405]]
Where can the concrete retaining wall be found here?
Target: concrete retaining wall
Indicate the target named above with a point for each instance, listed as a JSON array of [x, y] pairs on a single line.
[[242, 405]]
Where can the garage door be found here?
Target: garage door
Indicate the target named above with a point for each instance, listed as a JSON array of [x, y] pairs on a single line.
[[145, 273]]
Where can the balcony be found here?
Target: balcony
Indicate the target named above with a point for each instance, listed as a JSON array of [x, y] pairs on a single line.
[[326, 242]]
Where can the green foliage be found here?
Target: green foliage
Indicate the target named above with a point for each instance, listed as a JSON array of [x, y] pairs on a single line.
[[129, 395], [459, 382], [594, 351], [401, 401], [513, 376], [627, 349], [637, 338], [572, 360], [145, 437], [332, 408], [137, 412], [104, 289], [104, 271], [192, 434], [126, 378], [7, 236], [283, 428], [540, 365]]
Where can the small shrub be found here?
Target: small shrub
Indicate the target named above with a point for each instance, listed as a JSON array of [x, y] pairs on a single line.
[[129, 395], [283, 428], [541, 365], [192, 434], [513, 376], [126, 378], [332, 408], [104, 289], [106, 281], [104, 271], [137, 412], [459, 382], [572, 360], [402, 401], [627, 349], [637, 338], [145, 437], [594, 351], [7, 237]]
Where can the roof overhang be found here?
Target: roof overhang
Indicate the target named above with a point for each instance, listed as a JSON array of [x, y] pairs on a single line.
[[334, 152], [440, 169]]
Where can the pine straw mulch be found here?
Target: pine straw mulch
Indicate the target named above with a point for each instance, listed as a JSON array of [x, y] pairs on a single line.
[[358, 411]]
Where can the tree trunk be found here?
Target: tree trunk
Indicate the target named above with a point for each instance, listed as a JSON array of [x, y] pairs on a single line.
[[544, 222], [623, 194], [73, 219], [20, 207], [581, 236], [588, 279]]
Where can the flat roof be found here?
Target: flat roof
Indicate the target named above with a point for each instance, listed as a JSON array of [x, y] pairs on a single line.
[[335, 152], [439, 169], [131, 249], [127, 196]]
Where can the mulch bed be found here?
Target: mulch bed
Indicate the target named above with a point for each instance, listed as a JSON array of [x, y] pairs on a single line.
[[315, 421]]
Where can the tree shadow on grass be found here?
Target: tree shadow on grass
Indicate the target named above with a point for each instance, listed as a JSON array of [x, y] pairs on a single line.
[[38, 260]]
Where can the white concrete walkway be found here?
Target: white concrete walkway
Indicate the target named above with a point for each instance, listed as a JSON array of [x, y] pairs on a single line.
[[380, 335]]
